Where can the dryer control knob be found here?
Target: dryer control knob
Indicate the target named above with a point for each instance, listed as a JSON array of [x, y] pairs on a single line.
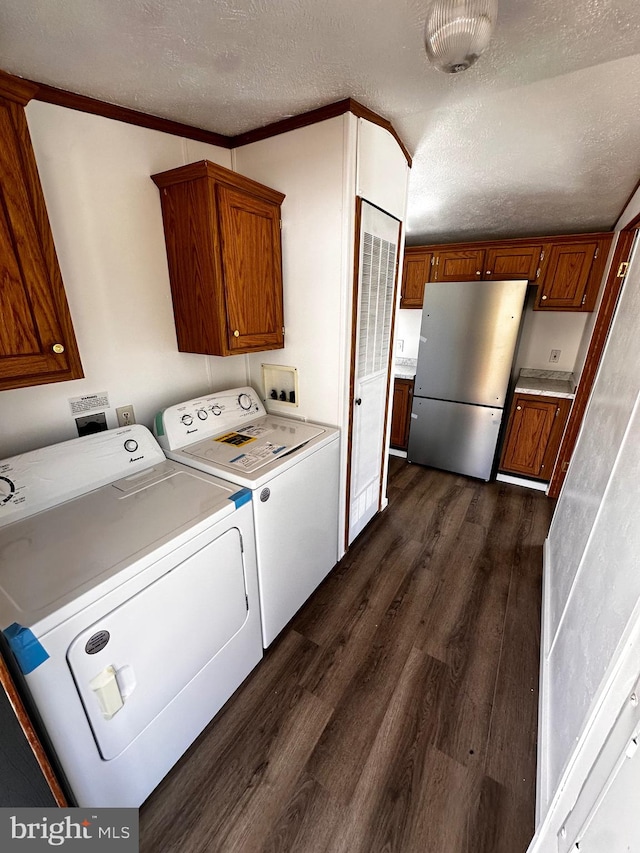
[[202, 414], [187, 420], [131, 445], [245, 402], [7, 490]]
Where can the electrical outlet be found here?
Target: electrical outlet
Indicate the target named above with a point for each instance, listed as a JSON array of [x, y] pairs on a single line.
[[125, 415], [555, 356]]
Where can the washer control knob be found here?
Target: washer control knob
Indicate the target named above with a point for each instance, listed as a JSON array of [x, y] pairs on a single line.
[[216, 410], [244, 401], [131, 445], [187, 420], [202, 414]]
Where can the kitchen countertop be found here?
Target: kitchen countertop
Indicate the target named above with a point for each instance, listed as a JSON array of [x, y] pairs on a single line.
[[551, 383], [405, 368]]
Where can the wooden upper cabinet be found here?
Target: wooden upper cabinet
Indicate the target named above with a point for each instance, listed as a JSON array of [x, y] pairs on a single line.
[[512, 262], [571, 273], [458, 265], [223, 239], [37, 341], [534, 432], [415, 274], [568, 270]]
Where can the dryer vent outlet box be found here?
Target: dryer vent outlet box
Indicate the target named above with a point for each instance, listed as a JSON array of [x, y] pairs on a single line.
[[280, 387]]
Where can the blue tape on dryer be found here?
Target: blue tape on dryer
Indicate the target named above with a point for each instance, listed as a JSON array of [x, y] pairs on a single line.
[[241, 497], [26, 648]]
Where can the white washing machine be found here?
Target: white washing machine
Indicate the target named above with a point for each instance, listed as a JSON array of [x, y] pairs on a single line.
[[128, 604], [291, 467]]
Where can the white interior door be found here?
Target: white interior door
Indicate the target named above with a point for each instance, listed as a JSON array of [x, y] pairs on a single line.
[[379, 240]]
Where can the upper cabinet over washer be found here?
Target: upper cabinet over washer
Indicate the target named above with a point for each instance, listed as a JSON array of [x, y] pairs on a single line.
[[37, 341], [567, 270], [223, 240]]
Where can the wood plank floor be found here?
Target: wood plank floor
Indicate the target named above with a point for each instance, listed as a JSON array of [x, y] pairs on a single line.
[[397, 711]]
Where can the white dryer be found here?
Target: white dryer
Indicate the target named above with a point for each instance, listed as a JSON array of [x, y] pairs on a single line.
[[291, 467], [128, 604]]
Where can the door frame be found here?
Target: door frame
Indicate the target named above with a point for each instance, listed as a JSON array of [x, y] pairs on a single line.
[[599, 337]]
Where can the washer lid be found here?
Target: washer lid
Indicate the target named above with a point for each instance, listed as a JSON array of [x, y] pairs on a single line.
[[83, 548], [250, 447]]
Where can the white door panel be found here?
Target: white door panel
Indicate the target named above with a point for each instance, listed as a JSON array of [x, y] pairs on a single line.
[[376, 299]]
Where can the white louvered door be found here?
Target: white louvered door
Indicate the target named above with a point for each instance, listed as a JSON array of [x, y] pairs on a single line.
[[379, 238]]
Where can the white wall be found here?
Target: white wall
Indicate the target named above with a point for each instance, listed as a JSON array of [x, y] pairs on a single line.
[[408, 322], [308, 165], [543, 331], [107, 227], [591, 607]]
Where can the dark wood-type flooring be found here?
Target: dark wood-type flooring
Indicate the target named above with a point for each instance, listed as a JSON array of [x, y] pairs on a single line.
[[397, 711]]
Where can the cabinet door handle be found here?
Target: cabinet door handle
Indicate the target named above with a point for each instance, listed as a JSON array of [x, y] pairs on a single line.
[[544, 297], [236, 334], [519, 408], [478, 272], [58, 348], [488, 272]]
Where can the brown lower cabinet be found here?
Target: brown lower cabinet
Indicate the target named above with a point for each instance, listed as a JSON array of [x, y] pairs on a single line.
[[534, 431], [401, 414]]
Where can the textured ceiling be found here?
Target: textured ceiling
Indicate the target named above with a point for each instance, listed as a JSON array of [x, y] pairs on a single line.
[[541, 136]]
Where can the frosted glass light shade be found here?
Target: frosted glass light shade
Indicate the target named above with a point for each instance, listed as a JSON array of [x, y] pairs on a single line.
[[457, 31]]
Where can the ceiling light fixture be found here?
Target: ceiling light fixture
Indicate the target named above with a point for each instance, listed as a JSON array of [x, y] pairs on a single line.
[[458, 31]]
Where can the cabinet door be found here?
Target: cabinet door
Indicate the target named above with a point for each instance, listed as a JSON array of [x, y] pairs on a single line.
[[400, 417], [252, 270], [415, 275], [37, 342], [463, 265], [536, 424], [510, 262], [565, 274]]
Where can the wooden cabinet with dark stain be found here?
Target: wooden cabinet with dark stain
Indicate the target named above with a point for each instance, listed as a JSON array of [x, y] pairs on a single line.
[[37, 341], [401, 414], [534, 431], [415, 274], [571, 273], [567, 270], [222, 233], [504, 262], [462, 264]]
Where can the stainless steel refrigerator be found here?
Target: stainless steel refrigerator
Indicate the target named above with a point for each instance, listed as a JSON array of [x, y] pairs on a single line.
[[467, 342]]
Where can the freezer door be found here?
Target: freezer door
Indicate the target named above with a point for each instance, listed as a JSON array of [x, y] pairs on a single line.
[[454, 436], [467, 340]]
